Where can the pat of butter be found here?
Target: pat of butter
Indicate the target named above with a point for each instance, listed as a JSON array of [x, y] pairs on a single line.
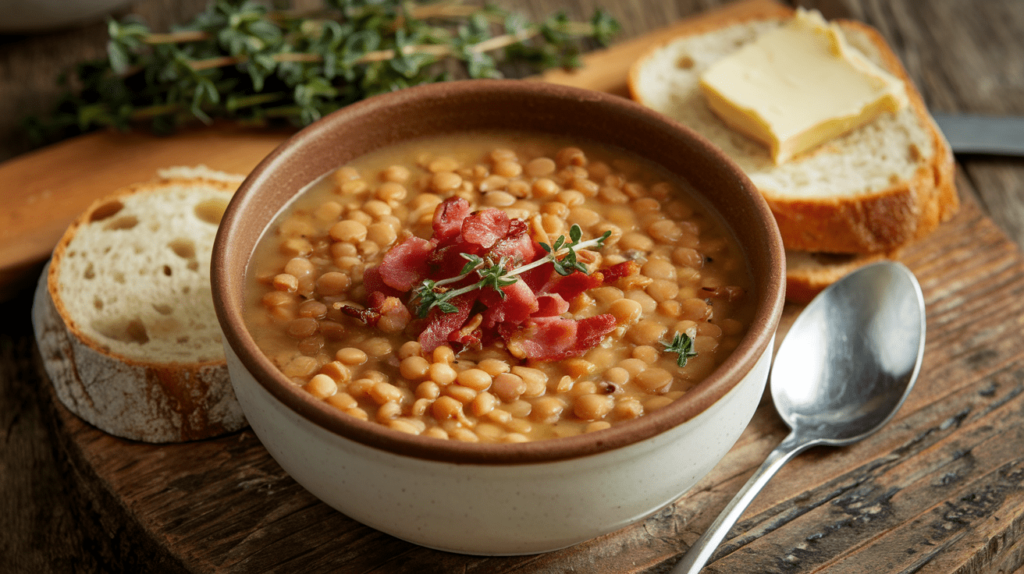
[[799, 86]]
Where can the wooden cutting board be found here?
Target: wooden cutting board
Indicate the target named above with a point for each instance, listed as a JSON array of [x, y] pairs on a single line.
[[940, 489]]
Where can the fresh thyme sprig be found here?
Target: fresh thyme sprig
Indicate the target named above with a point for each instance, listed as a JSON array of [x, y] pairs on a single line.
[[568, 264], [495, 275], [242, 61], [682, 344]]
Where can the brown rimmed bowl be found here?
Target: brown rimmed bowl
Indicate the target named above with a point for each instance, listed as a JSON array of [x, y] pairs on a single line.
[[497, 498]]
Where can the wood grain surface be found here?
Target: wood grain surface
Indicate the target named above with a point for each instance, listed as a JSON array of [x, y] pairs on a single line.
[[941, 489]]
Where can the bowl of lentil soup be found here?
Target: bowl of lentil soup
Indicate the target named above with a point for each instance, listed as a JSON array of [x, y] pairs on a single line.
[[498, 317]]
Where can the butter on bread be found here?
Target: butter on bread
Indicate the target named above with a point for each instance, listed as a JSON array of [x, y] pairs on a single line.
[[798, 86], [866, 193], [871, 190], [124, 313]]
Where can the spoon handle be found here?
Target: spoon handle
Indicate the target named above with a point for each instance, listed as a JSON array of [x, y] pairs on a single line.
[[698, 554]]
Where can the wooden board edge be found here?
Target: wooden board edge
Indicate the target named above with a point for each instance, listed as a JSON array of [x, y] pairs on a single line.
[[611, 75], [46, 189]]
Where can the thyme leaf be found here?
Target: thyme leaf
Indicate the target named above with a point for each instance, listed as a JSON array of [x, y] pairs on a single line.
[[682, 345]]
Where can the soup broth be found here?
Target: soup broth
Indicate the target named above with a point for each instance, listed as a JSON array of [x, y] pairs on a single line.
[[366, 293]]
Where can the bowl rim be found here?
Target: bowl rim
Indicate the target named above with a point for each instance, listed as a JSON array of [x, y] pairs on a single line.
[[228, 295]]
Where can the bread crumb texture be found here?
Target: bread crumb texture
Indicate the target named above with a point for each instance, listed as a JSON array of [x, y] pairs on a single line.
[[133, 400], [135, 276], [199, 172], [885, 150]]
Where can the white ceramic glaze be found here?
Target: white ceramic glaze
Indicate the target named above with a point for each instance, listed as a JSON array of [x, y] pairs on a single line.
[[500, 508]]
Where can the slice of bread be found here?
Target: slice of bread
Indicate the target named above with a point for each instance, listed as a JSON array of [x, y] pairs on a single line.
[[807, 274], [124, 314], [869, 191]]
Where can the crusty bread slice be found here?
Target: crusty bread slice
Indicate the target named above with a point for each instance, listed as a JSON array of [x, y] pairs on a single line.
[[807, 274], [124, 314], [870, 191]]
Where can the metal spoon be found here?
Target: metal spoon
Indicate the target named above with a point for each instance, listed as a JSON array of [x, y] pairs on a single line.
[[842, 372]]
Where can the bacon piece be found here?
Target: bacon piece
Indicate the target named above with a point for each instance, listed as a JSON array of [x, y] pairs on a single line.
[[447, 261], [373, 282], [550, 305], [507, 332], [448, 218], [371, 314], [405, 264], [537, 277], [367, 317], [469, 335], [591, 330], [485, 227], [517, 306], [516, 245], [571, 286], [546, 338], [375, 299], [618, 271], [440, 325], [555, 338]]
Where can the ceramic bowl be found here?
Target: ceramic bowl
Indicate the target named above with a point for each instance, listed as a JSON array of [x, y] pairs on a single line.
[[497, 498]]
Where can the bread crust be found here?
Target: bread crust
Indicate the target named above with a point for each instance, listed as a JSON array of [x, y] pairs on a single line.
[[712, 21], [139, 400], [875, 222], [808, 274]]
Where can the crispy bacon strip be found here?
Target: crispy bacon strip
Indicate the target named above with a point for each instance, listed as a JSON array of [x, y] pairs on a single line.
[[571, 286], [367, 317], [550, 305], [448, 218], [618, 271], [405, 264], [545, 338], [374, 283], [556, 338], [441, 325], [485, 227], [517, 305]]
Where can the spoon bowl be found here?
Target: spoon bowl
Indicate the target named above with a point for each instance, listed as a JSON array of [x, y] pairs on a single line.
[[852, 355], [844, 369]]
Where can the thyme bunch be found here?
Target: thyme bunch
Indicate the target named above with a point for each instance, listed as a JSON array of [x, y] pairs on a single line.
[[496, 275], [244, 62]]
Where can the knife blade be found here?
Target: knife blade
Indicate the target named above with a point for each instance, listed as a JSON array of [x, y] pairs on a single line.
[[978, 134]]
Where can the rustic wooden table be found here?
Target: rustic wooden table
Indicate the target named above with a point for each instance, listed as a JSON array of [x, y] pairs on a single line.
[[945, 495]]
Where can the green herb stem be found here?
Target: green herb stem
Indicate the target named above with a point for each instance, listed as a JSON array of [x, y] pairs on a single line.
[[435, 50], [553, 257], [320, 59], [176, 37], [495, 276]]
